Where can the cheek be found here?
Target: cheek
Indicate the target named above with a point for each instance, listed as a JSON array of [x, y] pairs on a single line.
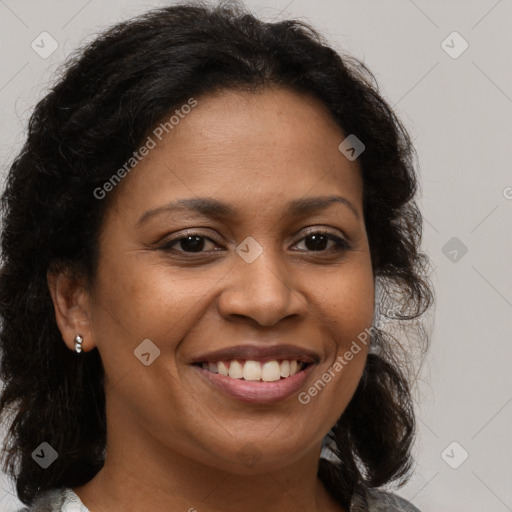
[[348, 301], [137, 301], [134, 303]]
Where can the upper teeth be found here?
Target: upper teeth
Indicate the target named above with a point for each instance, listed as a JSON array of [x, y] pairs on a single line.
[[254, 370]]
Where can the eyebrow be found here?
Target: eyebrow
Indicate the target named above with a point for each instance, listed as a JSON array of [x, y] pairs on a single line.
[[217, 209]]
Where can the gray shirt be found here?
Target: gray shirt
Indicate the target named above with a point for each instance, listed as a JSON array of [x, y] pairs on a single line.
[[364, 500]]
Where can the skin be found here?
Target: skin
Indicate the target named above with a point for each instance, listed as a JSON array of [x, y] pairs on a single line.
[[173, 441]]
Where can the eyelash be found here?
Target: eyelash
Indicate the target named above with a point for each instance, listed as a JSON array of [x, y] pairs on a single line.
[[341, 245]]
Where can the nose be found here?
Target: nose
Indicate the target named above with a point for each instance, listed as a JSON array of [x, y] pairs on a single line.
[[263, 291]]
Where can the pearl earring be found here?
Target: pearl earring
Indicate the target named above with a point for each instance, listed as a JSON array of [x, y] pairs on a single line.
[[78, 343]]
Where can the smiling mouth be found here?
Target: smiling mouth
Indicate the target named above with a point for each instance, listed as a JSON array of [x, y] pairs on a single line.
[[250, 370]]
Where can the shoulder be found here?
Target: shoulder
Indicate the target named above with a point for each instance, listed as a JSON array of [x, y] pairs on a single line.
[[53, 500], [367, 499]]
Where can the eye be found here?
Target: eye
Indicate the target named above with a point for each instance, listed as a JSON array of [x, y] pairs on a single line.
[[192, 243], [316, 241]]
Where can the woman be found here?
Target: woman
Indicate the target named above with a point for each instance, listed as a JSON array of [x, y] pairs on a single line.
[[194, 234]]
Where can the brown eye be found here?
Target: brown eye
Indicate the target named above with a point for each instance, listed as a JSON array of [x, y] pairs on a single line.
[[193, 243], [318, 242]]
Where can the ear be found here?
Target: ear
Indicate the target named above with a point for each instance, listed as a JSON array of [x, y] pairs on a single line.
[[71, 304]]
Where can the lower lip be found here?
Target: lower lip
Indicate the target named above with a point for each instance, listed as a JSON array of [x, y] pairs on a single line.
[[257, 391]]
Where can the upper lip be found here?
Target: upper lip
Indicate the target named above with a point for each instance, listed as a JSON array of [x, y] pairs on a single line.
[[259, 353]]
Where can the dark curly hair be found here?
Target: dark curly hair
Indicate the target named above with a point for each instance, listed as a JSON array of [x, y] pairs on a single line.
[[109, 95]]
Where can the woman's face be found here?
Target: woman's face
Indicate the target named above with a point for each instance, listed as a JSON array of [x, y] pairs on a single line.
[[269, 274]]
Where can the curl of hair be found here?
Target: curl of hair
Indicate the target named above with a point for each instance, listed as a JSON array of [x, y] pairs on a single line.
[[111, 93]]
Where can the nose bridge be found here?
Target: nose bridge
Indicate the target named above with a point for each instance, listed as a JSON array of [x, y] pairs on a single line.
[[260, 288], [265, 276]]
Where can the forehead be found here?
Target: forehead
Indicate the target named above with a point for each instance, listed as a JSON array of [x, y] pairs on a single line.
[[251, 149]]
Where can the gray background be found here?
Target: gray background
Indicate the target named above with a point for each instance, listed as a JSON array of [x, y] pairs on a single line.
[[458, 111]]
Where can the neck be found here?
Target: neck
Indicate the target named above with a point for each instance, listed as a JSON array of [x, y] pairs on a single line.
[[166, 480]]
